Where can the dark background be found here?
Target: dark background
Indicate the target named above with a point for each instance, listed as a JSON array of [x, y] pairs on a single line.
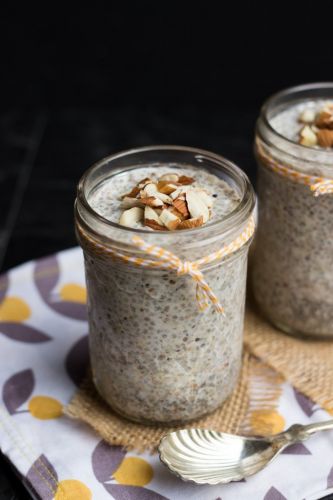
[[79, 84]]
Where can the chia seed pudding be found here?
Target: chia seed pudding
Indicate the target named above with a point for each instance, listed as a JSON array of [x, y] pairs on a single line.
[[155, 357], [292, 272]]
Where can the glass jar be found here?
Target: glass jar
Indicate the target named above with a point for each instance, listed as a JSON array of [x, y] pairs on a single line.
[[292, 271], [155, 357]]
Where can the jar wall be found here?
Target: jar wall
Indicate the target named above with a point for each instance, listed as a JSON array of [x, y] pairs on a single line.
[[292, 270], [154, 355]]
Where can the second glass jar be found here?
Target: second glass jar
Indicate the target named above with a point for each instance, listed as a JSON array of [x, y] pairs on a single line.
[[292, 270]]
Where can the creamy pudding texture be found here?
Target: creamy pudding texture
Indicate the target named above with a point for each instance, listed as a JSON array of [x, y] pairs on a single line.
[[287, 122], [293, 258], [155, 357], [106, 199]]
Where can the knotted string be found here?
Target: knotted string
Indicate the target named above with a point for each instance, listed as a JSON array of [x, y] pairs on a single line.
[[168, 260], [318, 185]]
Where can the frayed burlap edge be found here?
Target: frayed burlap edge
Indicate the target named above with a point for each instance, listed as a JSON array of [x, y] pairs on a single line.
[[88, 407], [306, 364]]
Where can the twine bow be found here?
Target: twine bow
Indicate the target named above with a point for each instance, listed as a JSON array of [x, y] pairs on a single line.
[[168, 260]]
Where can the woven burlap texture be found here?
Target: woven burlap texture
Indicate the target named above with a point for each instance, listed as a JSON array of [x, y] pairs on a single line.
[[90, 408], [307, 365]]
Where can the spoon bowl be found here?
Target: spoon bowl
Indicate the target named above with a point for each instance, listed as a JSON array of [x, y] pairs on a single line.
[[209, 457]]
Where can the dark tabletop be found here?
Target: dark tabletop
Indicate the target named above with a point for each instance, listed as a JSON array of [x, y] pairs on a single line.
[[80, 85]]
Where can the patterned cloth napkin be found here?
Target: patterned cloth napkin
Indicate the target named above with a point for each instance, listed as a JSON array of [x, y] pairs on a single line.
[[43, 356]]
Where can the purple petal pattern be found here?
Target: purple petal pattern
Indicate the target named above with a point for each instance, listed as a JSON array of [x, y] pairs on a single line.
[[120, 492], [77, 360], [296, 449], [304, 402], [43, 478], [330, 479], [106, 460], [17, 389], [46, 276], [274, 494], [23, 333]]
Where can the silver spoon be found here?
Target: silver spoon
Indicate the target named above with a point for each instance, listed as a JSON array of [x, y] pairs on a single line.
[[209, 457]]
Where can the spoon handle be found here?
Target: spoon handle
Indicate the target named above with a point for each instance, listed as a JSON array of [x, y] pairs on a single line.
[[318, 426]]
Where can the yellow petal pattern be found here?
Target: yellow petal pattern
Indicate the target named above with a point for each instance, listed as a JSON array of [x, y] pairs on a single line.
[[267, 422], [73, 293], [45, 408], [72, 489], [14, 309], [134, 471]]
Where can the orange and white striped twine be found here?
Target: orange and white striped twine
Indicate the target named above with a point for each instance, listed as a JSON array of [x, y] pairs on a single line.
[[168, 260], [318, 185]]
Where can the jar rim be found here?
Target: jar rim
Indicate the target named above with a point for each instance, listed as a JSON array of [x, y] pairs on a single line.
[[269, 103], [237, 216]]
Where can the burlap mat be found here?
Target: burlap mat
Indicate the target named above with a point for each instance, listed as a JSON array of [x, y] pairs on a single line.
[[307, 365]]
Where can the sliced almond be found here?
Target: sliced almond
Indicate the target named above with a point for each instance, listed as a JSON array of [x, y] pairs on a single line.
[[175, 212], [144, 182], [196, 206], [169, 177], [308, 116], [154, 225], [130, 217], [324, 119], [132, 194], [150, 189], [166, 187], [205, 197], [181, 206], [150, 214], [191, 223], [184, 180], [179, 191], [128, 202], [308, 136], [325, 138], [152, 201], [163, 197], [169, 220]]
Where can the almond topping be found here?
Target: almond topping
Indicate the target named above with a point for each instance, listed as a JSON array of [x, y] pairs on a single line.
[[150, 189], [184, 180], [179, 191], [169, 220], [151, 214], [169, 177], [325, 119], [132, 194], [154, 225], [181, 206], [205, 197], [164, 197], [166, 187], [308, 136], [191, 223], [175, 212], [196, 206], [308, 116], [151, 201], [129, 202], [144, 182], [325, 138], [130, 217]]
